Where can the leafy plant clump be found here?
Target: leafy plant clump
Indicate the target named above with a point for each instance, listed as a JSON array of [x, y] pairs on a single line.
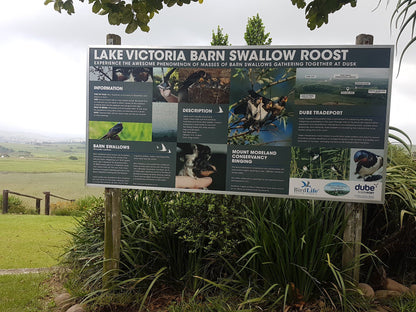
[[189, 234], [16, 206], [271, 252], [77, 207], [389, 229]]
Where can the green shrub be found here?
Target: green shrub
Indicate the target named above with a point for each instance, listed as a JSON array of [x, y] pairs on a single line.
[[77, 207], [85, 254], [260, 250], [16, 206], [189, 234]]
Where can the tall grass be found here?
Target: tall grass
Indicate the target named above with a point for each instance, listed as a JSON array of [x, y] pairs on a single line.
[[389, 228], [288, 242], [265, 252], [320, 163]]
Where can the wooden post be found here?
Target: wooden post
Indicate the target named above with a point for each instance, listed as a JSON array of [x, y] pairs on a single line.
[[38, 205], [5, 201], [112, 226], [112, 234], [352, 238], [108, 237], [116, 225], [112, 39], [47, 202], [354, 213]]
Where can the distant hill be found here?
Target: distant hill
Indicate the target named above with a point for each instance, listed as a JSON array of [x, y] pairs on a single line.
[[30, 137]]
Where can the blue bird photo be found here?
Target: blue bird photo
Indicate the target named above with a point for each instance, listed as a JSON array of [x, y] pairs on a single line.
[[112, 134], [367, 164]]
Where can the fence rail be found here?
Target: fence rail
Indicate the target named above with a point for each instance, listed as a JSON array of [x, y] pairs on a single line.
[[48, 196], [6, 200]]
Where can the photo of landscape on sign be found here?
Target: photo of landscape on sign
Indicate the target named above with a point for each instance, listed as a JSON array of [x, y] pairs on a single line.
[[301, 122]]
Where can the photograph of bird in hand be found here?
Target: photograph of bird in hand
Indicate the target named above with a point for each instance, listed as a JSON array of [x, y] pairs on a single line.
[[367, 164], [113, 133]]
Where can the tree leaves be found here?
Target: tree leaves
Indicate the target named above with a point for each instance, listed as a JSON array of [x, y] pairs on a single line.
[[219, 38], [96, 7], [135, 14], [404, 17], [317, 11], [255, 34], [138, 13]]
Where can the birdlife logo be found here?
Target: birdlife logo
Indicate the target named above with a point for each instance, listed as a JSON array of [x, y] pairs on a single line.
[[305, 188]]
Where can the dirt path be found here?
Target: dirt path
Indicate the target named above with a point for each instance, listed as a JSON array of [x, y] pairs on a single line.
[[26, 271]]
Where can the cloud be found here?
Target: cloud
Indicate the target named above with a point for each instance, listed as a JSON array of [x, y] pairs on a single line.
[[45, 89]]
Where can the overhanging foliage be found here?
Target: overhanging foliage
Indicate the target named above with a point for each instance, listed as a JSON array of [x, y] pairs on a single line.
[[134, 14]]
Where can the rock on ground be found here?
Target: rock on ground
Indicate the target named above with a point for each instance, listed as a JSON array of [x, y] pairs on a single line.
[[76, 308]]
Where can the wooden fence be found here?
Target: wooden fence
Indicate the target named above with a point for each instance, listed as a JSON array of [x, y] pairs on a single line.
[[48, 196]]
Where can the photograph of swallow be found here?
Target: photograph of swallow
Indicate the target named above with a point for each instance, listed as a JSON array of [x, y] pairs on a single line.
[[182, 85], [258, 111], [113, 133], [165, 84], [196, 77], [367, 164], [135, 74]]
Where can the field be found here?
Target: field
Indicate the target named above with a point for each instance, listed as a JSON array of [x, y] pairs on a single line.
[[42, 157], [32, 169]]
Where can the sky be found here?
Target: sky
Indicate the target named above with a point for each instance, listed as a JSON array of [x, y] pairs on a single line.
[[44, 53]]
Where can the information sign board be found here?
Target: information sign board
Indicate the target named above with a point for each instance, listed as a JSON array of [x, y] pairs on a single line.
[[301, 122]]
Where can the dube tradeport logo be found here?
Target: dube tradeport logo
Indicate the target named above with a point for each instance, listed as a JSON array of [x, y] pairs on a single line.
[[306, 188], [365, 188]]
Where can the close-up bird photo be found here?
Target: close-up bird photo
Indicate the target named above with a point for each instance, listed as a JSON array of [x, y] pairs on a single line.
[[120, 131], [366, 165]]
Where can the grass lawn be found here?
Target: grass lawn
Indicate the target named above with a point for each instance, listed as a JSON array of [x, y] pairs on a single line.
[[32, 241], [23, 293]]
